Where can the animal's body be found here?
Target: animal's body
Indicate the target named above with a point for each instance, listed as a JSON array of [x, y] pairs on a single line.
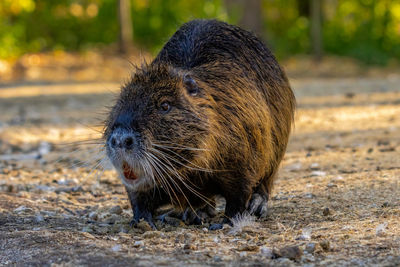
[[210, 115]]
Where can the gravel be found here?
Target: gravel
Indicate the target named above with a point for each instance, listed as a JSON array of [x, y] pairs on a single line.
[[58, 209]]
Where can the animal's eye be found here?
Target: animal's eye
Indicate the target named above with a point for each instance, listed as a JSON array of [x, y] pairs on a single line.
[[191, 85], [165, 107]]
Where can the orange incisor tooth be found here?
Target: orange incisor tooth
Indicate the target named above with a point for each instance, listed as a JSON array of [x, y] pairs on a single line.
[[128, 172]]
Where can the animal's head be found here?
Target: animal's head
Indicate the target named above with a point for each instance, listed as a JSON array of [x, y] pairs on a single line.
[[156, 127]]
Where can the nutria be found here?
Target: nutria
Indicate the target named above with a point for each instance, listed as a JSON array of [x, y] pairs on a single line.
[[210, 115]]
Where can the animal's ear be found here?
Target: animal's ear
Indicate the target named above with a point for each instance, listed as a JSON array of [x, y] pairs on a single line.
[[190, 85]]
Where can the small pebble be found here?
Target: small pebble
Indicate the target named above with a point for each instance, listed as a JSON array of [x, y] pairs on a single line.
[[242, 254], [67, 182], [326, 211], [43, 188], [217, 258], [305, 234], [88, 235], [284, 262], [275, 238], [116, 248], [290, 252], [144, 226], [114, 229], [151, 234], [189, 247], [39, 218], [112, 219], [325, 245], [267, 252], [189, 238], [22, 209], [294, 167], [69, 189], [103, 230], [44, 148], [93, 216], [248, 248], [180, 238], [138, 244], [381, 229], [314, 166], [318, 173], [358, 262], [310, 247], [309, 195], [116, 210], [125, 229], [87, 229]]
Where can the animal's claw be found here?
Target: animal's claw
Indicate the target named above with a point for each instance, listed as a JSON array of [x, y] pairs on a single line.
[[162, 217], [218, 226], [258, 205], [215, 226], [190, 217], [145, 215]]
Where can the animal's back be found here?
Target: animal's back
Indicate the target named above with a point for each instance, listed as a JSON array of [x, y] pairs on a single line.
[[200, 42], [206, 42]]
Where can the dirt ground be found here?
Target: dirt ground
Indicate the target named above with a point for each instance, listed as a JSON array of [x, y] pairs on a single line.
[[336, 202]]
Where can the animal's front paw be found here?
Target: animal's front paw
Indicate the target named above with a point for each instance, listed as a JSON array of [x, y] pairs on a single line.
[[191, 217], [199, 215], [258, 205], [145, 215], [218, 226], [188, 217], [162, 217]]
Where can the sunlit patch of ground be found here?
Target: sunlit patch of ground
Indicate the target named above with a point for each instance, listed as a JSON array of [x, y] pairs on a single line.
[[337, 199]]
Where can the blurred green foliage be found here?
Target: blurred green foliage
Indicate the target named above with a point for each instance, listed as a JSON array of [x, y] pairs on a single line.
[[41, 25], [368, 30], [365, 29]]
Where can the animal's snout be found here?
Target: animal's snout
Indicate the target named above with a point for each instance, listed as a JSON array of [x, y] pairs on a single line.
[[121, 139]]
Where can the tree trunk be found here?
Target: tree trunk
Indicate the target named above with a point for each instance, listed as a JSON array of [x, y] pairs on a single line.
[[303, 7], [316, 29], [250, 12], [385, 22], [125, 26], [252, 16]]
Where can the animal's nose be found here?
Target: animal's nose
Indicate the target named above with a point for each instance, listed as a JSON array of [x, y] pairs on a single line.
[[122, 140]]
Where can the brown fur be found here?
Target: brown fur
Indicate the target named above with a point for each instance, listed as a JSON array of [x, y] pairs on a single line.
[[238, 122]]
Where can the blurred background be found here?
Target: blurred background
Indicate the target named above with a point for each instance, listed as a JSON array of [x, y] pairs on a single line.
[[62, 63], [87, 40]]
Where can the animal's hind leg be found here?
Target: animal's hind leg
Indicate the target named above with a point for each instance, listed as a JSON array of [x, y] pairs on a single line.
[[236, 197], [201, 212], [190, 216], [258, 204], [208, 210]]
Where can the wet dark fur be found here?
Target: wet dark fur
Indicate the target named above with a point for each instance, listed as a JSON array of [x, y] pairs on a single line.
[[240, 119]]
